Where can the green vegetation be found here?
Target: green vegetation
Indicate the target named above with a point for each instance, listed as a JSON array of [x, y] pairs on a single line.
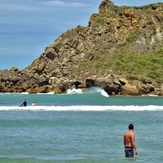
[[127, 45], [154, 74], [133, 66], [97, 57], [96, 25], [133, 36], [121, 45], [160, 51], [147, 6], [99, 20]]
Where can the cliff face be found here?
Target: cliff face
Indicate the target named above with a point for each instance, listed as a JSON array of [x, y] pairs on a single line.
[[120, 51]]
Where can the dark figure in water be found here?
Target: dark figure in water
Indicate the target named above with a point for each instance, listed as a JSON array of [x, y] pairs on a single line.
[[24, 103]]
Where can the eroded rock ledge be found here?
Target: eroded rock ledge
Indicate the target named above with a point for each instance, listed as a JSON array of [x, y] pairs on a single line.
[[26, 81]]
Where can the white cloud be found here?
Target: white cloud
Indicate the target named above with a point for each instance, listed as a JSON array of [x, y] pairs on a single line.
[[30, 5], [65, 4]]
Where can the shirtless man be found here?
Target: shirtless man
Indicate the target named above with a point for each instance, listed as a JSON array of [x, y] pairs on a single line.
[[129, 142]]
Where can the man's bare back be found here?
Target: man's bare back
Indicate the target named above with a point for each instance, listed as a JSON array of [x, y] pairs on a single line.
[[128, 139], [129, 142]]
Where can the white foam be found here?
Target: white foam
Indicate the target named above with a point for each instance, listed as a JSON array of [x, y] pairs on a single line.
[[97, 89], [104, 93], [85, 108], [74, 91], [49, 93], [6, 93], [152, 95]]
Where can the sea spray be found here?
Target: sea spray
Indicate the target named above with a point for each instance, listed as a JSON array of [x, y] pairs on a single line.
[[97, 89]]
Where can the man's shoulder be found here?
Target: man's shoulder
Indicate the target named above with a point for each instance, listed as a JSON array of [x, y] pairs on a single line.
[[128, 133]]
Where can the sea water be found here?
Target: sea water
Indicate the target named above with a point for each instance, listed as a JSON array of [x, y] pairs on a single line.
[[79, 127]]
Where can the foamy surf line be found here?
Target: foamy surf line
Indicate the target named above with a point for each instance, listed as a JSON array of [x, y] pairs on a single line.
[[84, 108]]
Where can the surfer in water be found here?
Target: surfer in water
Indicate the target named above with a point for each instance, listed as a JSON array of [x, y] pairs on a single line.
[[24, 103], [34, 104], [129, 142]]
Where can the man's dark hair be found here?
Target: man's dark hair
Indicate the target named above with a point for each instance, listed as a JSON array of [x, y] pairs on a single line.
[[131, 127]]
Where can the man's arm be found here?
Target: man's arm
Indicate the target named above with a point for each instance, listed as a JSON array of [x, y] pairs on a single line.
[[124, 140], [133, 143]]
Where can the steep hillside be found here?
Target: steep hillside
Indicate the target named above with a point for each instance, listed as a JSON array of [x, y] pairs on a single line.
[[120, 41]]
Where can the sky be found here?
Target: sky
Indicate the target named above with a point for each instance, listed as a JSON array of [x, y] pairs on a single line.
[[28, 26]]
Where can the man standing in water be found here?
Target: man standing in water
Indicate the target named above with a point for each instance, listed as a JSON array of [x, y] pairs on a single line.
[[129, 142]]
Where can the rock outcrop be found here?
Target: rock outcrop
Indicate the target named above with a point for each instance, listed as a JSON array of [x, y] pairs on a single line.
[[81, 57]]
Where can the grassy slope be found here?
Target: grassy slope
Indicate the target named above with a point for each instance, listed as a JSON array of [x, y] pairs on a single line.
[[129, 60]]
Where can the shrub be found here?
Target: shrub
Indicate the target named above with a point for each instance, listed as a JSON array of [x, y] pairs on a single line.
[[143, 62], [160, 51], [159, 80], [109, 64], [98, 64], [133, 77], [154, 74], [133, 36], [99, 20], [97, 57]]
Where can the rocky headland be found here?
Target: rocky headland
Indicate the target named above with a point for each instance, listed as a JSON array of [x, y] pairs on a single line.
[[119, 51]]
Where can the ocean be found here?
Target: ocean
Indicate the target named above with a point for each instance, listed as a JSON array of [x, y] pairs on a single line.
[[78, 127]]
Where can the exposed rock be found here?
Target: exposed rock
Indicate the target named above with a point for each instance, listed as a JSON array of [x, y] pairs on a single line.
[[146, 81], [6, 73], [50, 53], [106, 6], [41, 67], [81, 57], [41, 89], [150, 87], [15, 79], [129, 90], [129, 13], [14, 69], [43, 81], [52, 81]]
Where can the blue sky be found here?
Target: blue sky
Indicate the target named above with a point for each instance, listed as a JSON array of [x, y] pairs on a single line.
[[28, 26]]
